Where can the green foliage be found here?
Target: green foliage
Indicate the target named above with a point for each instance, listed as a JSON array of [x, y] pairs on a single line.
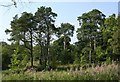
[[82, 59], [108, 61], [100, 54], [15, 62], [66, 29], [63, 55], [32, 37], [8, 75], [36, 52], [116, 40], [24, 61], [7, 51], [89, 32], [103, 72], [45, 28]]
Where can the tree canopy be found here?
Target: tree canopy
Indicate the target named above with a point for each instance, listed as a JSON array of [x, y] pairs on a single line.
[[31, 36]]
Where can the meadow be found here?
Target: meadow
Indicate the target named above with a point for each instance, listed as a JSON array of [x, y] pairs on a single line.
[[103, 72]]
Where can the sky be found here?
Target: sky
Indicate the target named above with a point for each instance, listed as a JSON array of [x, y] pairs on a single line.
[[62, 0], [67, 12]]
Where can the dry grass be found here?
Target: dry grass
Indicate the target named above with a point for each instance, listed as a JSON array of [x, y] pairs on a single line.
[[103, 72]]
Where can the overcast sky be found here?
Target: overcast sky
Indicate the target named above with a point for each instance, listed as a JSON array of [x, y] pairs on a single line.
[[67, 12]]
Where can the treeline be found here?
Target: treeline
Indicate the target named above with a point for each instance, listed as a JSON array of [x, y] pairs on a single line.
[[32, 39]]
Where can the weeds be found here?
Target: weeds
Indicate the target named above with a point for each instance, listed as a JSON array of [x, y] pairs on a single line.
[[103, 72]]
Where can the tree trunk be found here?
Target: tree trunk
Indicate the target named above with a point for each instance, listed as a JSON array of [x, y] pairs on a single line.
[[45, 54], [64, 43], [31, 53], [48, 48], [90, 52], [41, 54], [94, 43], [29, 48]]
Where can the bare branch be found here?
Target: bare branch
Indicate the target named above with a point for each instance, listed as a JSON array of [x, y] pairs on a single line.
[[7, 5]]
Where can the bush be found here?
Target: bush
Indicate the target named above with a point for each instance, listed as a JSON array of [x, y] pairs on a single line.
[[14, 60], [7, 51]]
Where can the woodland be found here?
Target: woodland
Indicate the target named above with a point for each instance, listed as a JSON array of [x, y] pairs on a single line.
[[40, 50]]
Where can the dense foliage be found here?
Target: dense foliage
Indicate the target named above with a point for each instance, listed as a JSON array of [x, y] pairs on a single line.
[[36, 43]]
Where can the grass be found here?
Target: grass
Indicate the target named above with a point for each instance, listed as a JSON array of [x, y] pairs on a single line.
[[103, 72]]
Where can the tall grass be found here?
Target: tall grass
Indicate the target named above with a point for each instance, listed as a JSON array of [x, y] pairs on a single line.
[[103, 72]]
